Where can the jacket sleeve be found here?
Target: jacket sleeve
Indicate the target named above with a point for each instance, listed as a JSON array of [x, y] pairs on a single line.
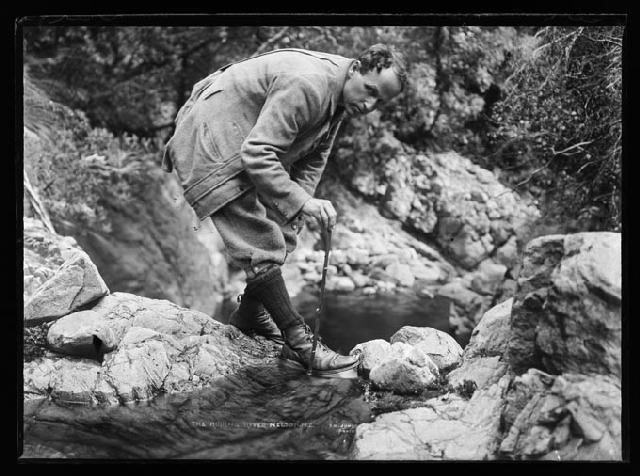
[[307, 171], [293, 103]]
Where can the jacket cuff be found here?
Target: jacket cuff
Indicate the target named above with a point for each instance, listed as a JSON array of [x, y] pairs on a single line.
[[291, 207]]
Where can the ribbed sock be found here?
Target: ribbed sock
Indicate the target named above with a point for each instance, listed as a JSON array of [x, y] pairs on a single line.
[[269, 288]]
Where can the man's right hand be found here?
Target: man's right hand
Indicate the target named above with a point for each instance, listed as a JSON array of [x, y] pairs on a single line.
[[321, 210]]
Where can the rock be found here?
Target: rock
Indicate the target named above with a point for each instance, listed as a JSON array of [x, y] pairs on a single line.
[[44, 253], [357, 256], [483, 371], [340, 284], [488, 278], [337, 257], [75, 284], [162, 349], [566, 313], [407, 370], [155, 314], [359, 280], [374, 352], [428, 274], [466, 303], [439, 346], [401, 273], [564, 417], [369, 291], [508, 254], [86, 334], [385, 260], [445, 428], [491, 336], [155, 246]]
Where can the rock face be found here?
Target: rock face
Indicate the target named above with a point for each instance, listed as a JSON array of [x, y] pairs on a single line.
[[572, 415], [447, 427], [445, 195], [147, 347], [74, 284], [566, 313], [153, 249], [44, 253], [565, 417]]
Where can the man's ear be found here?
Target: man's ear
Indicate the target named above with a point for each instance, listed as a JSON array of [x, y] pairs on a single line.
[[354, 68]]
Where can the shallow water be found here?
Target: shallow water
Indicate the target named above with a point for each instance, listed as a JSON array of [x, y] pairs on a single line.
[[261, 413]]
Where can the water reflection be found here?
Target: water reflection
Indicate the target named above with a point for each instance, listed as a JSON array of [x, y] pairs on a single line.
[[270, 412], [350, 319]]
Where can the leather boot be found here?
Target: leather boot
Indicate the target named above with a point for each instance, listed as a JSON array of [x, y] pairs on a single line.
[[298, 347], [253, 319], [269, 288]]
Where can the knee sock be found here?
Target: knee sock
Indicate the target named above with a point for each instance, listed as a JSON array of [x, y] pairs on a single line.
[[269, 288]]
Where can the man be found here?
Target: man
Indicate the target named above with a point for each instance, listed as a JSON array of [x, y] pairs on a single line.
[[249, 148]]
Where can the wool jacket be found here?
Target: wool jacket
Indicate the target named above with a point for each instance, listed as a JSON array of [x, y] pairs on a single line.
[[266, 122]]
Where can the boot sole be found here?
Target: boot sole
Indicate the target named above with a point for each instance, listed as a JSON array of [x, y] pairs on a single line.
[[349, 372]]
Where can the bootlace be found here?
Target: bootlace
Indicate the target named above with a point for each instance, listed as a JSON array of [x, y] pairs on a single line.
[[309, 337]]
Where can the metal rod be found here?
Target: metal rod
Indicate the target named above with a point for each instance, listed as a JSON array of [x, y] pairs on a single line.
[[320, 308]]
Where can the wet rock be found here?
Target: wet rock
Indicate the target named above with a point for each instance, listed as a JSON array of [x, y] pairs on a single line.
[[565, 417], [439, 346], [75, 284], [407, 370], [373, 352], [566, 314], [446, 428]]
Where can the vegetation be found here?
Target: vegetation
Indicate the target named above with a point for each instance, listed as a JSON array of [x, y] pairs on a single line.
[[540, 106]]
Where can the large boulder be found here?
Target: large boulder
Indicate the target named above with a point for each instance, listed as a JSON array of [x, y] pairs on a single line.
[[566, 314], [75, 284], [44, 253], [483, 360], [565, 417], [407, 370], [149, 347], [445, 352], [445, 428]]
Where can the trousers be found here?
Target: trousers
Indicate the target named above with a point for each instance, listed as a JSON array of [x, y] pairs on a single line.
[[255, 236]]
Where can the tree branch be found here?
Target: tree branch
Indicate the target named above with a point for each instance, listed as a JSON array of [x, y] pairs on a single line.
[[263, 47]]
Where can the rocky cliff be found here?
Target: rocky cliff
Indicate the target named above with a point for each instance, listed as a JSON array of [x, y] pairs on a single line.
[[541, 373]]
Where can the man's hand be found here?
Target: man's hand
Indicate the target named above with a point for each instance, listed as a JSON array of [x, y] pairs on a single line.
[[321, 210]]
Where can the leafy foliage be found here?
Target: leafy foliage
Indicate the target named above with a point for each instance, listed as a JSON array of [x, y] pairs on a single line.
[[81, 167], [560, 124]]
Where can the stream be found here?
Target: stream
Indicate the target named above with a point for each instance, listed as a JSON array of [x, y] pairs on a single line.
[[261, 413]]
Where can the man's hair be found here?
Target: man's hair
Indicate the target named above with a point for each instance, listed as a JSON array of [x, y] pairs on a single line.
[[380, 56]]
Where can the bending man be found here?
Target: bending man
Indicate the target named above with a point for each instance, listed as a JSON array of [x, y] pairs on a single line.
[[249, 149]]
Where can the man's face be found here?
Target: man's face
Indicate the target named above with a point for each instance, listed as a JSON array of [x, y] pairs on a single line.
[[362, 93]]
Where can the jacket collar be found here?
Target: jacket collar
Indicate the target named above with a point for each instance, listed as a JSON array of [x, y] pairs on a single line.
[[341, 77]]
